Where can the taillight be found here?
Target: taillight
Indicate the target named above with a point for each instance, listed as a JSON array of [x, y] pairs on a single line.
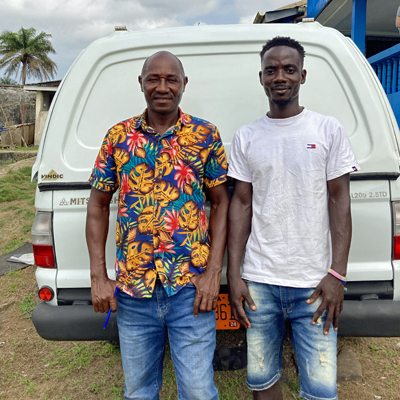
[[396, 239], [46, 293], [42, 240]]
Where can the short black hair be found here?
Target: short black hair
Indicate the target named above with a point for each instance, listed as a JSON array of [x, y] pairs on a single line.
[[283, 41]]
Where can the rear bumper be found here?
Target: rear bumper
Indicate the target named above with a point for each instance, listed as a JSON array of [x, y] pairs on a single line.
[[370, 318], [79, 322], [74, 322]]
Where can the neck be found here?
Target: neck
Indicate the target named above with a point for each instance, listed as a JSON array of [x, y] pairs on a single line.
[[161, 122], [284, 111]]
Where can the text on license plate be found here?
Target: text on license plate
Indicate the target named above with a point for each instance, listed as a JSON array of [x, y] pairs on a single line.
[[223, 314]]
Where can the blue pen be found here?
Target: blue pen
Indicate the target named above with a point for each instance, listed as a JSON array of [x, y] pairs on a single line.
[[109, 311]]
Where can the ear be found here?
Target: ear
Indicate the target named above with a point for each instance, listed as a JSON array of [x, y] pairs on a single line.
[[140, 82], [185, 82], [303, 76], [260, 76]]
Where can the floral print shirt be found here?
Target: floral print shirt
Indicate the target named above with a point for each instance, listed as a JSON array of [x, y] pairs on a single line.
[[162, 228]]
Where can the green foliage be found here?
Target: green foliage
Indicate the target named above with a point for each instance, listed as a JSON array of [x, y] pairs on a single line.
[[28, 304], [25, 54], [16, 185], [7, 81]]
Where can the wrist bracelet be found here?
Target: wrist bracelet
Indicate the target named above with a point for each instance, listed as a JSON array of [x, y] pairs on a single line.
[[341, 278]]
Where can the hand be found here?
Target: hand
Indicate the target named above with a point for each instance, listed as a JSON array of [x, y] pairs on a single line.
[[102, 292], [207, 290], [332, 291], [238, 291]]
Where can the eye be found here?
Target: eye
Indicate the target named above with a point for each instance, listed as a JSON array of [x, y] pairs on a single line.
[[172, 80], [290, 70]]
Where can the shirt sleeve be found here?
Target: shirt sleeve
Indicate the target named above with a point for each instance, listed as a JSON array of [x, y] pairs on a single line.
[[104, 175], [398, 12], [341, 159], [216, 165], [238, 165]]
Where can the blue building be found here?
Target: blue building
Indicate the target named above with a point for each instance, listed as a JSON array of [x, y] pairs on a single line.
[[370, 24]]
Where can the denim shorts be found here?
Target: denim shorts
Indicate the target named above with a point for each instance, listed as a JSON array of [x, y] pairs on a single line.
[[316, 353], [142, 326]]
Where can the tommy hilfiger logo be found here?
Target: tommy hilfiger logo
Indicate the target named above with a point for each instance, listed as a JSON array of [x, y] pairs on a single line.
[[355, 169], [311, 146]]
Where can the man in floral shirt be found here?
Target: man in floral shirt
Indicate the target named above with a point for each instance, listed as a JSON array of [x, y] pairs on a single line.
[[169, 260]]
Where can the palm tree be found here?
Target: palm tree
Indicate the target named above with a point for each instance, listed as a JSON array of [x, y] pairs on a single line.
[[27, 50]]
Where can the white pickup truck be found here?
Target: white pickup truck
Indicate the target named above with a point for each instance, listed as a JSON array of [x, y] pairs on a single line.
[[222, 64]]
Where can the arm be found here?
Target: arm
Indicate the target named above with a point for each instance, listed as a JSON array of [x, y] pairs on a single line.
[[103, 288], [207, 283], [239, 227], [331, 289], [397, 22]]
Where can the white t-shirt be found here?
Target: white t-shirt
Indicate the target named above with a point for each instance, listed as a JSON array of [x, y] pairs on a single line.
[[288, 162]]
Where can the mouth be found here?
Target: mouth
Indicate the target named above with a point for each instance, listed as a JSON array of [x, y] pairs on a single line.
[[163, 99], [280, 89]]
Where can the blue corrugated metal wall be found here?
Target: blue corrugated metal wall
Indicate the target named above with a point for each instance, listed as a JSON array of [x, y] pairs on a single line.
[[314, 7]]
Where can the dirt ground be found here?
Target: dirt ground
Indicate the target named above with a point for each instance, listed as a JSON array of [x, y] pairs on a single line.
[[32, 368]]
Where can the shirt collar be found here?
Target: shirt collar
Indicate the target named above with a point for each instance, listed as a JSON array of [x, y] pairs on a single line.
[[141, 122]]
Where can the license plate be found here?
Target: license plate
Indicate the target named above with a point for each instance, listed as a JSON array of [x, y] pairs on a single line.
[[223, 314]]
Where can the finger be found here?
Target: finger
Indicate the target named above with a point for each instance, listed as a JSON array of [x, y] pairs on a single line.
[[204, 305], [337, 314], [215, 303], [314, 296], [113, 304], [196, 304], [250, 301], [318, 313], [240, 316], [105, 306], [328, 320], [208, 304]]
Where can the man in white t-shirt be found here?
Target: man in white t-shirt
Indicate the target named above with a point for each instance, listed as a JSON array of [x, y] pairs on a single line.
[[290, 207]]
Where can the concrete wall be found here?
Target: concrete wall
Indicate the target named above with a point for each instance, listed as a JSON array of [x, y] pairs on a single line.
[[12, 100], [40, 121], [18, 136]]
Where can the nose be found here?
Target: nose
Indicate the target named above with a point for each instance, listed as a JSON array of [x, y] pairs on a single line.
[[162, 86], [280, 75]]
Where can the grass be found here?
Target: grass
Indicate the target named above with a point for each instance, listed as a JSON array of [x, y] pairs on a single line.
[[17, 212], [16, 185], [12, 245], [29, 148], [28, 304]]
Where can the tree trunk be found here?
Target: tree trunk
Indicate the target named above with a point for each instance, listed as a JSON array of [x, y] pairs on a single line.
[[23, 72]]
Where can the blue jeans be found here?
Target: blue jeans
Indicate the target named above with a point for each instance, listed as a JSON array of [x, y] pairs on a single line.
[[142, 325], [316, 352]]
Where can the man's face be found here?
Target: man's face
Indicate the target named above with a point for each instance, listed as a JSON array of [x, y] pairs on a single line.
[[163, 83], [282, 74]]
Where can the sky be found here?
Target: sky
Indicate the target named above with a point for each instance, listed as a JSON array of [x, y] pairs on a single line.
[[74, 24]]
